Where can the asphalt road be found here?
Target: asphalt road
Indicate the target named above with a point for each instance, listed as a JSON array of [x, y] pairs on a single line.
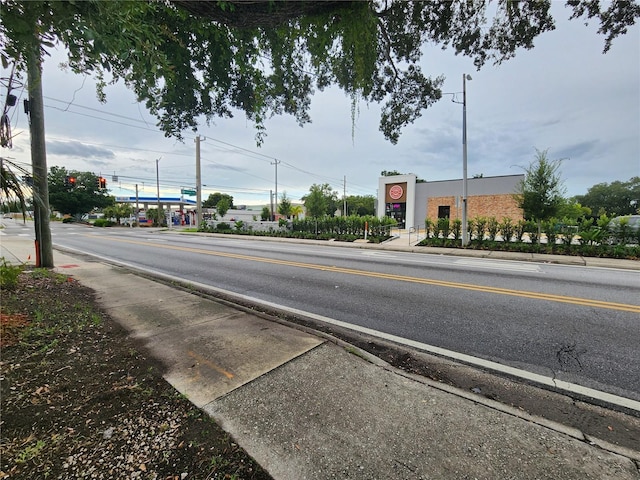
[[576, 324]]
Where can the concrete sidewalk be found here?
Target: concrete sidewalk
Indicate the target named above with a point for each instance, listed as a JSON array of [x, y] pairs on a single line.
[[307, 408]]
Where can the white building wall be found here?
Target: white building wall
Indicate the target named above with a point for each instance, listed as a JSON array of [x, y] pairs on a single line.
[[410, 179], [418, 194]]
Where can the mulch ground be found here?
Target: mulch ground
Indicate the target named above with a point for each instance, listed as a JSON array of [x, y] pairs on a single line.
[[82, 400]]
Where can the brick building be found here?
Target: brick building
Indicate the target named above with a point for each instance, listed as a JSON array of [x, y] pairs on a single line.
[[411, 202]]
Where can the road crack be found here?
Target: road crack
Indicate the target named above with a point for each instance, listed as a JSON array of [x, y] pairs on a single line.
[[568, 357]]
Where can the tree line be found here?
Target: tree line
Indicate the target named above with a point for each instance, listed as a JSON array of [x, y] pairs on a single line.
[[541, 196]]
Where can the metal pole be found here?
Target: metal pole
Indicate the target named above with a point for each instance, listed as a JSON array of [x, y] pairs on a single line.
[[198, 185], [271, 205], [158, 189], [275, 211], [465, 239], [344, 198]]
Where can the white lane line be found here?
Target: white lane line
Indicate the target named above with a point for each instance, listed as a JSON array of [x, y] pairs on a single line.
[[374, 253], [475, 361], [501, 265], [468, 359]]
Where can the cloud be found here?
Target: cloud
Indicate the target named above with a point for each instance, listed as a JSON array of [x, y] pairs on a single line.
[[578, 150], [544, 98], [78, 150]]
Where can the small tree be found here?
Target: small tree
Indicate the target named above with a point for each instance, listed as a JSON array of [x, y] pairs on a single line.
[[81, 195], [284, 208], [296, 211], [214, 198], [118, 211], [13, 184], [222, 207], [265, 214], [315, 202], [155, 216], [615, 198], [540, 194], [361, 205]]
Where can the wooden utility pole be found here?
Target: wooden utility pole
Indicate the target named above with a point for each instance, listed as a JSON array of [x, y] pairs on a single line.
[[41, 211]]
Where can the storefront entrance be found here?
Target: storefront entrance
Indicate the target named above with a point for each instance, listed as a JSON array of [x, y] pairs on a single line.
[[396, 203], [397, 211]]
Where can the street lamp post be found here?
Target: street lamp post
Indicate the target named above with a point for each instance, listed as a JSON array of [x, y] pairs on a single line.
[[158, 189], [465, 236]]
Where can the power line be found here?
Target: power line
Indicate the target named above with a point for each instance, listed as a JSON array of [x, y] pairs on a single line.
[[69, 104], [235, 148], [121, 147]]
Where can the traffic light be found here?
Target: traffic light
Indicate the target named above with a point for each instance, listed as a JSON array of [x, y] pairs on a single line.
[[102, 182], [69, 181]]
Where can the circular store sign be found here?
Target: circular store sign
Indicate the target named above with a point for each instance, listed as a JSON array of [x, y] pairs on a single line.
[[396, 192]]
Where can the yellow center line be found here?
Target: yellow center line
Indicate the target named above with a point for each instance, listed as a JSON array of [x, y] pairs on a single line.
[[587, 302]]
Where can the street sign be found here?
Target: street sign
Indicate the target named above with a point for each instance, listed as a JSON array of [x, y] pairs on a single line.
[[187, 192]]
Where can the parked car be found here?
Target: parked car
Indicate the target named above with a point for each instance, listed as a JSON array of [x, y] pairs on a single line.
[[625, 229], [632, 221]]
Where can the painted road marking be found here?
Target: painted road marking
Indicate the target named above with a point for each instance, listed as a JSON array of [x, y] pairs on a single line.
[[373, 253], [502, 265], [471, 360], [585, 302]]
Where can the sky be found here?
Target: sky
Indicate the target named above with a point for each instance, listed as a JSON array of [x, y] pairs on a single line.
[[563, 96]]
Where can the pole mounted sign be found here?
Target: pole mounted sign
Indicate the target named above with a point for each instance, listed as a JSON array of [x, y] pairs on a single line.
[[185, 191]]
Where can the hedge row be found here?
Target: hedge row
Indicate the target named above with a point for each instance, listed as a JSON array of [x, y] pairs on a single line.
[[590, 237]]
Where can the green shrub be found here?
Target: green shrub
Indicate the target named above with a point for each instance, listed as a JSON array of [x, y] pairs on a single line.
[[444, 227], [428, 227], [532, 229], [592, 236], [102, 222], [457, 229], [550, 229], [493, 228], [568, 231], [9, 274], [507, 228], [479, 228], [519, 230]]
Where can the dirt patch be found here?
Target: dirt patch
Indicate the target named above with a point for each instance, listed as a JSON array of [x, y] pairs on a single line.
[[10, 326], [82, 400]]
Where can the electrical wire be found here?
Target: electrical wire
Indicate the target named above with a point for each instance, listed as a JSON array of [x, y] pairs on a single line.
[[234, 148]]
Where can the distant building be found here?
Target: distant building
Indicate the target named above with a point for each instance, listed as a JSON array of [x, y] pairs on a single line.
[[410, 202]]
